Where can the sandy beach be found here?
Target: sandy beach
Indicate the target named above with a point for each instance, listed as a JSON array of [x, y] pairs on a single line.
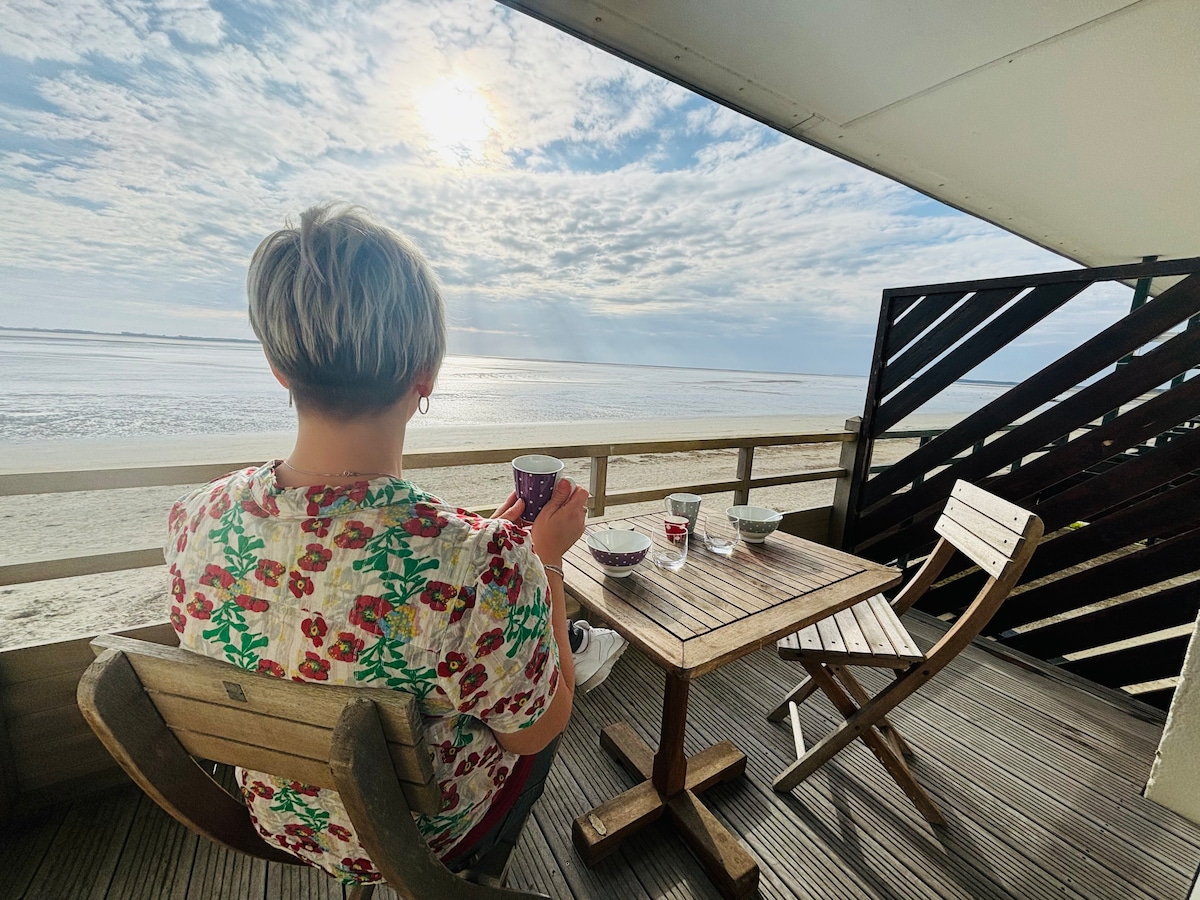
[[53, 526]]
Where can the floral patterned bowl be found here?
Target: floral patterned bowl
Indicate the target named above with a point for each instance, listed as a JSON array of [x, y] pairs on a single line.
[[754, 522], [618, 550]]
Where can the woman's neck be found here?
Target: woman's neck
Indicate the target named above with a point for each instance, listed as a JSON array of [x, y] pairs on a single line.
[[369, 446]]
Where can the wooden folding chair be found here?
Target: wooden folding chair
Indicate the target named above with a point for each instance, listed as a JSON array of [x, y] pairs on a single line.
[[158, 709], [999, 538]]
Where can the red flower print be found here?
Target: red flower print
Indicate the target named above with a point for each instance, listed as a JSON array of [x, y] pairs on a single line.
[[473, 679], [464, 601], [500, 777], [368, 611], [553, 680], [488, 642], [519, 701], [220, 506], [346, 648], [497, 572], [268, 572], [506, 537], [466, 765], [178, 587], [449, 796], [342, 834], [181, 542], [295, 829], [308, 790], [314, 667], [215, 576], [452, 664], [320, 497], [253, 604], [314, 558], [178, 619], [315, 629], [536, 705], [195, 521], [175, 521], [469, 705], [475, 520], [437, 594], [514, 587], [262, 790], [362, 867], [308, 845], [199, 607], [270, 667], [254, 509], [357, 492], [427, 522], [353, 536], [299, 584], [319, 526], [447, 751], [537, 664], [498, 707]]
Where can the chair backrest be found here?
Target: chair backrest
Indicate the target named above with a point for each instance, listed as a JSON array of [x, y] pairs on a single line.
[[158, 708], [997, 536], [225, 714]]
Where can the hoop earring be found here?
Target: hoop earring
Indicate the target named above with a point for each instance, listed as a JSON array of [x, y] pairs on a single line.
[[425, 409]]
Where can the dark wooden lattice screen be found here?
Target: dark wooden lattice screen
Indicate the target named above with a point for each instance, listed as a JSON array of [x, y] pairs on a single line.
[[1092, 442]]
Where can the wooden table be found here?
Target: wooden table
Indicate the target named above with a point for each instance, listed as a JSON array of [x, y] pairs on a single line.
[[714, 610]]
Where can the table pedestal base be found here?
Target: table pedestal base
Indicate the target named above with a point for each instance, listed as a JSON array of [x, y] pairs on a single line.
[[599, 832]]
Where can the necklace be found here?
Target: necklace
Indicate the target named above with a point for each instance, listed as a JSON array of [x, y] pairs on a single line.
[[346, 474]]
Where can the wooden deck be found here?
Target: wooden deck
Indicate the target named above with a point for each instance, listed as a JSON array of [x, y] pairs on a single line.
[[1041, 782]]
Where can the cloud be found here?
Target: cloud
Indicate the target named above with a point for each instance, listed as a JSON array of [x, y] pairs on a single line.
[[145, 149]]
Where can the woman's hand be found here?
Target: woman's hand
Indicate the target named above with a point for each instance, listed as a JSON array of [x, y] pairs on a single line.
[[560, 523], [511, 509]]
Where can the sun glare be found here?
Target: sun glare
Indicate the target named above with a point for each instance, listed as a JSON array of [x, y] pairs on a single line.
[[458, 120]]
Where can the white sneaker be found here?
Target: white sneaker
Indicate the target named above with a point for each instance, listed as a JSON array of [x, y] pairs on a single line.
[[594, 659]]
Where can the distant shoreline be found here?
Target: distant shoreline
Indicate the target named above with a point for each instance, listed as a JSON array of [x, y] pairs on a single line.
[[230, 340]]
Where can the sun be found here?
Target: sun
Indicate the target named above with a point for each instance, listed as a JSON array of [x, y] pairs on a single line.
[[458, 120]]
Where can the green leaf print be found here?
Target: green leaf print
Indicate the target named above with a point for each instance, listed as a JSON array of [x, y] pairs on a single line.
[[525, 622], [226, 618], [245, 655]]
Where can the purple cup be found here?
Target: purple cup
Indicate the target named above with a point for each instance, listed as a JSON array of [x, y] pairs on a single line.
[[535, 477]]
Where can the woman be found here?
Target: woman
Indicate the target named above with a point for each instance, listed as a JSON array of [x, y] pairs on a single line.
[[328, 567]]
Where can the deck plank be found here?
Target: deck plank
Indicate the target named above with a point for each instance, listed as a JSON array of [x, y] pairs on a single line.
[[1040, 781]]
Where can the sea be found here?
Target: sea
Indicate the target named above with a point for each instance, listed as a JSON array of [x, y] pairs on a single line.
[[56, 386]]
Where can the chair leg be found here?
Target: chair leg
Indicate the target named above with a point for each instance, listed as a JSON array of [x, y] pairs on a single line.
[[361, 892], [797, 695], [861, 697], [857, 724]]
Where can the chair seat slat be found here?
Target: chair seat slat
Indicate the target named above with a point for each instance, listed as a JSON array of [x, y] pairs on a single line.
[[852, 635], [808, 638], [896, 632], [831, 638], [876, 637]]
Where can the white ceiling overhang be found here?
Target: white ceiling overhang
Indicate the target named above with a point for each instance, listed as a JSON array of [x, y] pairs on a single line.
[[1073, 123]]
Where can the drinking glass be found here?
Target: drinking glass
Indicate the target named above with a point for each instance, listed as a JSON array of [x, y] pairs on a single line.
[[720, 534], [670, 543]]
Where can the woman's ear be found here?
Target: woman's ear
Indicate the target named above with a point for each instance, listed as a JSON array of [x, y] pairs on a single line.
[[279, 378]]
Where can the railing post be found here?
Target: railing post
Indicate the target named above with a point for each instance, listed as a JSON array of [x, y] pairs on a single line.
[[745, 468], [841, 487], [598, 484]]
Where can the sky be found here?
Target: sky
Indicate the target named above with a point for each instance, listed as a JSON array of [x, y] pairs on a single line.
[[574, 206]]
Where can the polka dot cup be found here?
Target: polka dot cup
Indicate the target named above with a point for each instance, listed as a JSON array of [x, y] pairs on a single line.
[[535, 477]]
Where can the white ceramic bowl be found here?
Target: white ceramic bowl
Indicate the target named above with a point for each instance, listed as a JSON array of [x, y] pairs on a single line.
[[617, 550], [754, 522]]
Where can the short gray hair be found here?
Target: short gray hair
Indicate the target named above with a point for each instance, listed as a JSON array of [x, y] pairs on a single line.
[[347, 310]]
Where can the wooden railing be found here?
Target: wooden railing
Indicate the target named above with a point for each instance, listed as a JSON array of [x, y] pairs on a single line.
[[821, 523]]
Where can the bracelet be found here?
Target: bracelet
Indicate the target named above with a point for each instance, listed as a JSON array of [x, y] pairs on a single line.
[[555, 569]]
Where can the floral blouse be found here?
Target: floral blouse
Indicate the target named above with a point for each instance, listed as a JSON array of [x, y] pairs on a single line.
[[375, 583]]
